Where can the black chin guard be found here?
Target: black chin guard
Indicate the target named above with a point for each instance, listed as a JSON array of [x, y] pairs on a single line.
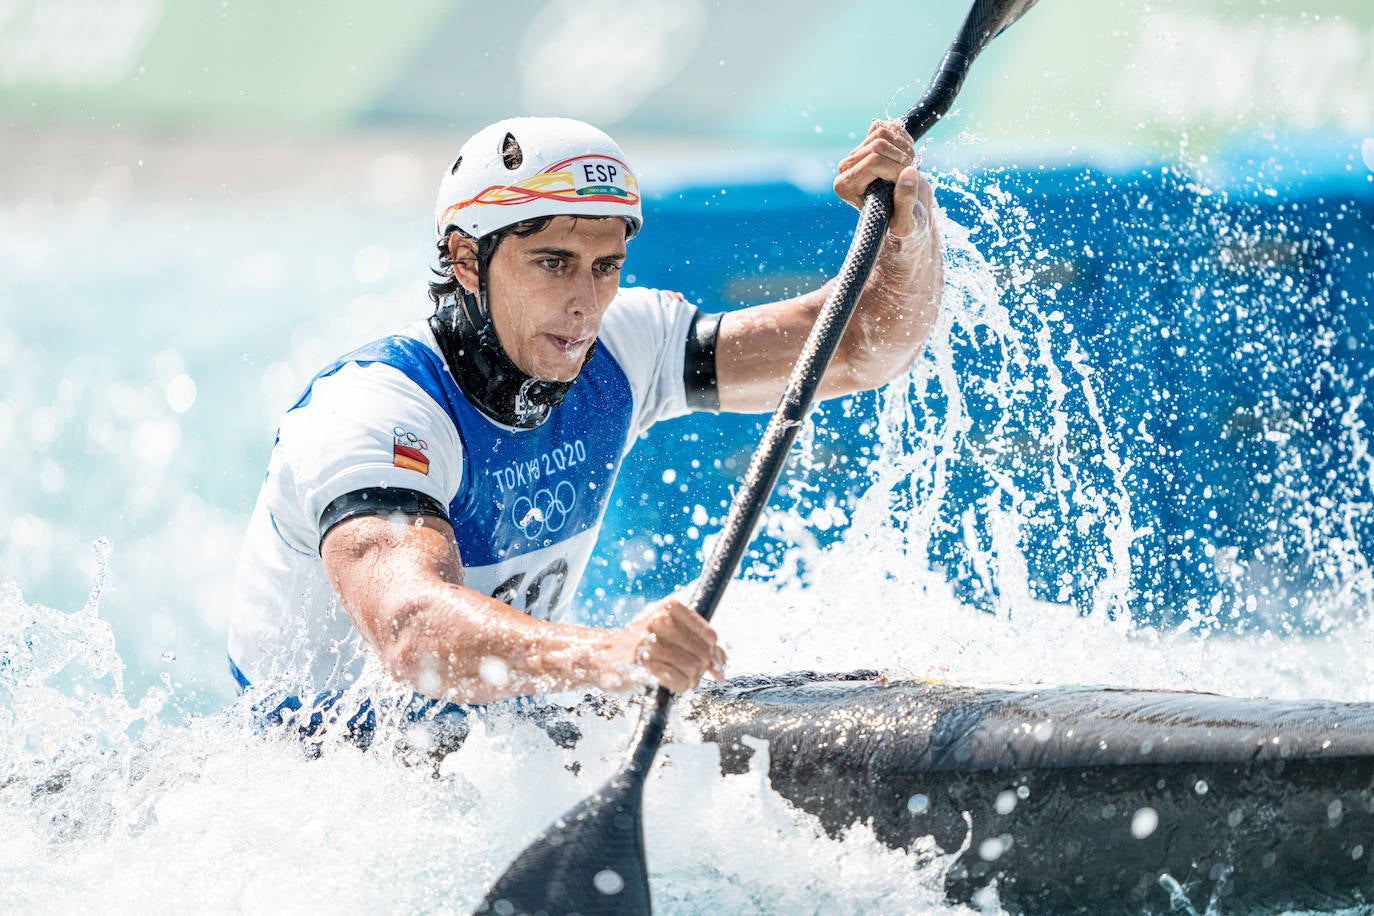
[[485, 373]]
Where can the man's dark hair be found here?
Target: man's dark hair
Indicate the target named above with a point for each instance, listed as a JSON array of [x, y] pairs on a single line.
[[447, 283]]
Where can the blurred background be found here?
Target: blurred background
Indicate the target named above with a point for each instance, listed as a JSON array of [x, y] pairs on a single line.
[[202, 203]]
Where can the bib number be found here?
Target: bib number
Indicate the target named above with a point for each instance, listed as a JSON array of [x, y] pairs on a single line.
[[548, 581]]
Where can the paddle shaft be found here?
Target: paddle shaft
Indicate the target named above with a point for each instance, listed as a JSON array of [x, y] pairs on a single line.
[[824, 339]]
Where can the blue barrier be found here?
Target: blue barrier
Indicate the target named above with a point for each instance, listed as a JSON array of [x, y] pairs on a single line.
[[1227, 335]]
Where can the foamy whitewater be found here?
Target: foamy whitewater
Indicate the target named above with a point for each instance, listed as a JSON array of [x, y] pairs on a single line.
[[150, 350]]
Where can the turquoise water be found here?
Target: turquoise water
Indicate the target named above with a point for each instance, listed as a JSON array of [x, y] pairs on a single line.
[[152, 337]]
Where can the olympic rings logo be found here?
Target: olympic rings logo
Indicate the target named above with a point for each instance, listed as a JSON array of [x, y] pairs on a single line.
[[547, 512], [403, 437]]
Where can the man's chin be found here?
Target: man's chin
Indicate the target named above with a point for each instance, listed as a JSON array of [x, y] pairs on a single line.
[[560, 374], [563, 368]]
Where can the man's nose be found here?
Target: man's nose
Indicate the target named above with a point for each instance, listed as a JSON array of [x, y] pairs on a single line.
[[583, 298]]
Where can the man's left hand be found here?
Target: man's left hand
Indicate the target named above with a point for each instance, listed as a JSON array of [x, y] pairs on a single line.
[[888, 153]]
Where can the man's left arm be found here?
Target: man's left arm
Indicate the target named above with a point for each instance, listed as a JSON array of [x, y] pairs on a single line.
[[758, 346]]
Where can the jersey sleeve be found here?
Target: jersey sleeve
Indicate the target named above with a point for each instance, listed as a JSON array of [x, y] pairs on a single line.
[[362, 427], [646, 331]]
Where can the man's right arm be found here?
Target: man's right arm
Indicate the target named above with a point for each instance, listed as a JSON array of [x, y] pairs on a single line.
[[402, 585]]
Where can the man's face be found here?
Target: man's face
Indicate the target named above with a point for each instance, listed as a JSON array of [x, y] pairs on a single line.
[[548, 292]]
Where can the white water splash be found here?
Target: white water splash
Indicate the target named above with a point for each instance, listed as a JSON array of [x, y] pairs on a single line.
[[874, 600], [208, 815]]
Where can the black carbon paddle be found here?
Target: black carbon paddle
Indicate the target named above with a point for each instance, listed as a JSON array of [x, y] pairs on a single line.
[[591, 860]]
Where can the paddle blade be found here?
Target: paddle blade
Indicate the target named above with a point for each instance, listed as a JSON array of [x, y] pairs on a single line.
[[590, 862]]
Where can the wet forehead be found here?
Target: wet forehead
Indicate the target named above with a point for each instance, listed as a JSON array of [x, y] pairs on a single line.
[[577, 237]]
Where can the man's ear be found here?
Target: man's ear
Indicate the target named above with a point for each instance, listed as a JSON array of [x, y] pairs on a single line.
[[462, 251]]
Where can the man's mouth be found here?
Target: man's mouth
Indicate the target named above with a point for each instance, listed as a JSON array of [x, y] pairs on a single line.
[[568, 344]]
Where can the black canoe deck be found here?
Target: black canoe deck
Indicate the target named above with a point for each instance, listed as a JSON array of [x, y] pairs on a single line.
[[1091, 800]]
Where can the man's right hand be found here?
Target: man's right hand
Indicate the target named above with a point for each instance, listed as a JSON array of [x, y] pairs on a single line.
[[669, 644]]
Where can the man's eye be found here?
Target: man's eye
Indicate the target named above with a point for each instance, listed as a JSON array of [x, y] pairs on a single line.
[[608, 268], [551, 263]]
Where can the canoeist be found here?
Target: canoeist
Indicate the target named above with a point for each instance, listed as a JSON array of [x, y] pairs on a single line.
[[433, 497]]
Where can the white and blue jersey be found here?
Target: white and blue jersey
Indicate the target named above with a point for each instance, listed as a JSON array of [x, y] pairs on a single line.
[[525, 504]]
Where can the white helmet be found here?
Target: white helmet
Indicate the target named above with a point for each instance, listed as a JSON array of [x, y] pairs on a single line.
[[555, 167]]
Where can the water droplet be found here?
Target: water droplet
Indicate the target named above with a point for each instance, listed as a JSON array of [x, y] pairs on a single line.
[[608, 882], [181, 393], [493, 671], [993, 848], [1144, 822]]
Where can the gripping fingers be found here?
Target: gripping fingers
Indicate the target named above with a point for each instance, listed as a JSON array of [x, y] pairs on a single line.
[[891, 137], [884, 153], [878, 153], [674, 668], [901, 156], [683, 646]]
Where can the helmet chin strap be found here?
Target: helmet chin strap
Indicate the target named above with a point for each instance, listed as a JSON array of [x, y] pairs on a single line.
[[482, 368]]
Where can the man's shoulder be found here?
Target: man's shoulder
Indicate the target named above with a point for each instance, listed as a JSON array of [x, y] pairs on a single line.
[[411, 350], [411, 342], [405, 364], [644, 297], [641, 311], [645, 332], [380, 406]]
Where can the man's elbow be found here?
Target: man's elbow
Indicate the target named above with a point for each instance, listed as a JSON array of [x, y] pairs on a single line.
[[874, 367], [870, 377], [884, 351], [397, 635]]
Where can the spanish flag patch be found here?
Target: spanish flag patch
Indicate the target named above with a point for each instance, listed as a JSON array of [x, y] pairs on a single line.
[[408, 451]]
